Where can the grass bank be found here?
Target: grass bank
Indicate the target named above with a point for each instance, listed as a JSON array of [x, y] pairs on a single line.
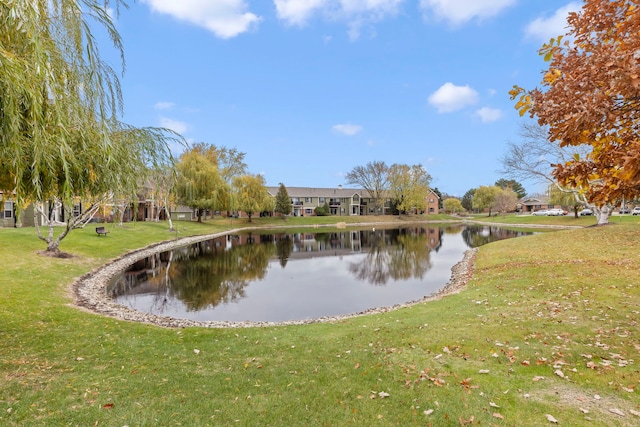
[[547, 327]]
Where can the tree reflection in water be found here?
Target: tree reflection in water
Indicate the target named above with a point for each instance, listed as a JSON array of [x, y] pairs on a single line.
[[217, 272], [395, 254]]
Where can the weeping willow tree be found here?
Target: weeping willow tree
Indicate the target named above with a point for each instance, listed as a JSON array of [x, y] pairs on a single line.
[[60, 137], [199, 183]]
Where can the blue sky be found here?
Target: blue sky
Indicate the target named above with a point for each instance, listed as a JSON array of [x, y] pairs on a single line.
[[310, 89]]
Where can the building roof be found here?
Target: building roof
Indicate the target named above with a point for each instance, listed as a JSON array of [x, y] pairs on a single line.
[[320, 192], [535, 199], [327, 192]]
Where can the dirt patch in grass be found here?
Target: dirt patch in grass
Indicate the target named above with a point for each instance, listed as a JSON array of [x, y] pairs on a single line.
[[590, 406]]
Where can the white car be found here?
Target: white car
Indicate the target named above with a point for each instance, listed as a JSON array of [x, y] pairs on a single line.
[[555, 212], [636, 211], [542, 212], [585, 212]]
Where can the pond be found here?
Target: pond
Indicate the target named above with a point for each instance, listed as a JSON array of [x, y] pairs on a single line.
[[281, 276]]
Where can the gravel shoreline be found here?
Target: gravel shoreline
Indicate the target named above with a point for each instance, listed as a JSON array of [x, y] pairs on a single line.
[[89, 291]]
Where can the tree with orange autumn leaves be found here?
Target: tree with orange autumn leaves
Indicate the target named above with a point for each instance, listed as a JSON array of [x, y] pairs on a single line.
[[590, 97]]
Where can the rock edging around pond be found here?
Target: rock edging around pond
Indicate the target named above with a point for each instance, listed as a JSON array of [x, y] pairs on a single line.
[[89, 291]]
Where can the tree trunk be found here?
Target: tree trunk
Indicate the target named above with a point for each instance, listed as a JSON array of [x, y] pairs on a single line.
[[603, 214]]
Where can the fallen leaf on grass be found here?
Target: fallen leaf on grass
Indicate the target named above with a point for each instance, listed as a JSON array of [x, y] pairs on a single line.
[[493, 405], [108, 406], [428, 412], [497, 415], [483, 371], [616, 411], [551, 419], [636, 413], [383, 394]]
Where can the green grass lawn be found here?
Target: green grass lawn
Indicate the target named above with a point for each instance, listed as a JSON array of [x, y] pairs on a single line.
[[547, 327]]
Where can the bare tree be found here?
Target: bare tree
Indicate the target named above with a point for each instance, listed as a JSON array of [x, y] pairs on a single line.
[[374, 177], [534, 157], [506, 200]]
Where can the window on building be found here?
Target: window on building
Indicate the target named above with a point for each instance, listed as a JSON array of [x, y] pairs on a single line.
[[77, 209], [321, 199], [431, 200], [307, 199], [8, 210]]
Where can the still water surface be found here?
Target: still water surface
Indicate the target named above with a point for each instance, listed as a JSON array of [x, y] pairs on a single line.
[[275, 277]]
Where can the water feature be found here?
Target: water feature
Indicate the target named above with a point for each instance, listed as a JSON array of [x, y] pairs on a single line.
[[281, 276]]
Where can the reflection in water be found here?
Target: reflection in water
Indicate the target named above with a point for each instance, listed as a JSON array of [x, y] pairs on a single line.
[[478, 236], [395, 254], [299, 275]]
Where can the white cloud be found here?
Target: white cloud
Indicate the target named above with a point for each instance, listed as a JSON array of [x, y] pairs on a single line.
[[225, 18], [488, 115], [347, 129], [543, 29], [174, 125], [163, 105], [449, 97], [356, 13], [298, 12], [458, 12]]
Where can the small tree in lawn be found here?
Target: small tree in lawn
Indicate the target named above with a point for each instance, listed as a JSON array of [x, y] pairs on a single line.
[[505, 200], [408, 187], [323, 210], [199, 184], [452, 205], [283, 202], [485, 198], [252, 195]]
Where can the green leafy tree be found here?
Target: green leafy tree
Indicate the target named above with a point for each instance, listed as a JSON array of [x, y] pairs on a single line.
[[452, 205], [230, 164], [283, 202], [323, 210], [373, 177], [252, 195], [467, 199], [199, 184], [409, 187], [513, 185], [485, 198]]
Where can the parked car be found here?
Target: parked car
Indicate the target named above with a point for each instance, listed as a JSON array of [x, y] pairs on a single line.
[[540, 212], [636, 211], [585, 212], [556, 212], [625, 210]]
